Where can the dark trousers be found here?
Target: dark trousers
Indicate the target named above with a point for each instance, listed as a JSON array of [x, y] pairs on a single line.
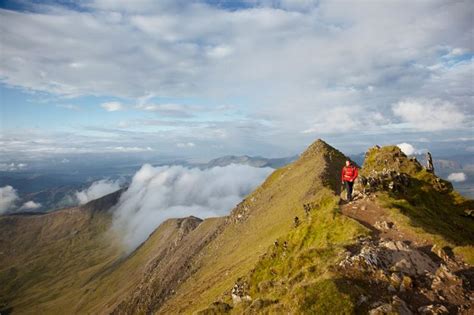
[[349, 189]]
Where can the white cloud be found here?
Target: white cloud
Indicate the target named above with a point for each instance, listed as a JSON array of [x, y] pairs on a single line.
[[219, 51], [130, 149], [457, 177], [8, 197], [171, 110], [287, 64], [186, 145], [96, 190], [407, 148], [112, 106], [429, 114], [12, 167], [30, 205], [158, 193]]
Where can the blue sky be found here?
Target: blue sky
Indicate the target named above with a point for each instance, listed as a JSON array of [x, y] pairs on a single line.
[[199, 79]]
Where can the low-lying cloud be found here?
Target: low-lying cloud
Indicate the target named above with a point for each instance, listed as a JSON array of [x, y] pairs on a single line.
[[457, 177], [96, 190], [8, 197], [30, 205], [159, 193]]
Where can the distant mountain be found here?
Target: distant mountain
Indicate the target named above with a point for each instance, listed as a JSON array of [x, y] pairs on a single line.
[[292, 246], [256, 161]]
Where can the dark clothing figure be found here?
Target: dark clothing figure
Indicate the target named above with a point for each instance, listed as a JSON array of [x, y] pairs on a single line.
[[348, 176], [349, 186]]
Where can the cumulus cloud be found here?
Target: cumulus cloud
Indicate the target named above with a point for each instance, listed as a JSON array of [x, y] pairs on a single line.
[[30, 205], [429, 114], [287, 64], [8, 197], [158, 193], [407, 148], [112, 106], [457, 177], [96, 190]]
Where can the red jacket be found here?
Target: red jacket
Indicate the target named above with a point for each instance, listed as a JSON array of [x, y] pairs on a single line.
[[349, 173]]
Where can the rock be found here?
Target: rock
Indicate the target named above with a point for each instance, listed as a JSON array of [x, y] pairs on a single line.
[[382, 310], [433, 310], [239, 291], [468, 213], [442, 253], [407, 284], [444, 277], [236, 299], [395, 280], [383, 225], [296, 222], [398, 306], [401, 258], [362, 299], [429, 163]]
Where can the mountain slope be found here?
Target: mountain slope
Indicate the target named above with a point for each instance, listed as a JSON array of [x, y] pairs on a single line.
[[291, 246], [47, 258], [255, 161], [263, 216]]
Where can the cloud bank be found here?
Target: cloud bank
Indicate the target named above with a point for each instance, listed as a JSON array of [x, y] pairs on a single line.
[[96, 190], [158, 193], [457, 177], [30, 205], [429, 114], [8, 197]]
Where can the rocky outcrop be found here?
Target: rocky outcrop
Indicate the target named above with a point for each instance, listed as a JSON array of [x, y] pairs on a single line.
[[411, 278]]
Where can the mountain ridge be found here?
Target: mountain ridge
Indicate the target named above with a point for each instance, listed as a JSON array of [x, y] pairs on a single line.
[[279, 250]]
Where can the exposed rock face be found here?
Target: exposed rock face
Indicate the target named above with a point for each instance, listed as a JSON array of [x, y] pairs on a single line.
[[412, 274], [388, 180], [429, 163], [168, 269]]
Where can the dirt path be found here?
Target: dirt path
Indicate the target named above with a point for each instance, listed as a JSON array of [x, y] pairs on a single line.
[[367, 212]]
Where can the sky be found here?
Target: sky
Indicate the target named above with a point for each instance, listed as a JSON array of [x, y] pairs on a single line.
[[201, 79]]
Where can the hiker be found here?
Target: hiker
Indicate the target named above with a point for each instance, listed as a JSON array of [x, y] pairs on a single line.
[[348, 176]]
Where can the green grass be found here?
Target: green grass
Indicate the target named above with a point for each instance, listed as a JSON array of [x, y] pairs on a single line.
[[49, 276], [300, 279], [429, 206]]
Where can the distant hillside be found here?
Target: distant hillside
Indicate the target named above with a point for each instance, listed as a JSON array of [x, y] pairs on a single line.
[[256, 161], [292, 246]]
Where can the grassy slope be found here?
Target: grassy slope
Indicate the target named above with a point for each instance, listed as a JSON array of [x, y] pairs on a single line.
[[114, 285], [80, 272], [240, 246], [300, 279], [433, 213], [46, 259]]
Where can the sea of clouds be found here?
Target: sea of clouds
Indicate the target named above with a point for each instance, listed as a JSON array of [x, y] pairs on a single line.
[[96, 190], [159, 193]]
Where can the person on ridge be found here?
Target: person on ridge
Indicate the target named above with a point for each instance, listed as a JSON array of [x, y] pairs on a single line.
[[348, 176]]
